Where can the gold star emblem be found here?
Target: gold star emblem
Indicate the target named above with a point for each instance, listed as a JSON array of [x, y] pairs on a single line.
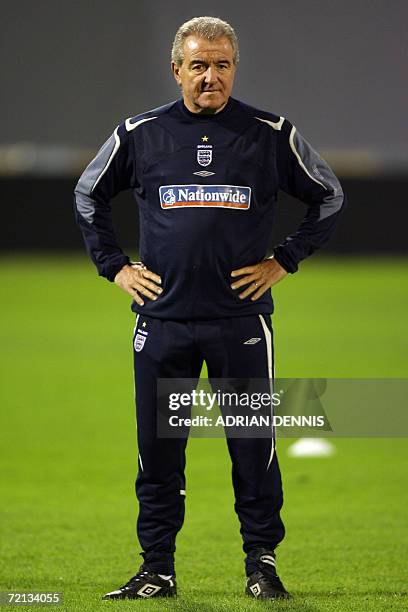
[[144, 324], [204, 138]]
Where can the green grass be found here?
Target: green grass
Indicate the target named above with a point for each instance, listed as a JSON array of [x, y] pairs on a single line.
[[69, 457]]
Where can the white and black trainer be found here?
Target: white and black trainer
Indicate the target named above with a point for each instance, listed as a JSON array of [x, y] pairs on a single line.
[[265, 582], [145, 584]]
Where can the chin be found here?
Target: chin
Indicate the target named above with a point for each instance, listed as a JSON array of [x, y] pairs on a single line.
[[211, 105]]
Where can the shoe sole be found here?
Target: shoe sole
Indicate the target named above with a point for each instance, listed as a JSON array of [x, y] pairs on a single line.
[[119, 597], [276, 595]]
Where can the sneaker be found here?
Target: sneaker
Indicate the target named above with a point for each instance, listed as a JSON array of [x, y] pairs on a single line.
[[265, 583], [145, 584]]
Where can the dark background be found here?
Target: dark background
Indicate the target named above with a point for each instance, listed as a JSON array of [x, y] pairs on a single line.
[[73, 70]]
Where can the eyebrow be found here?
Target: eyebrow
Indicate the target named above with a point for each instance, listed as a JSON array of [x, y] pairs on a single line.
[[201, 61]]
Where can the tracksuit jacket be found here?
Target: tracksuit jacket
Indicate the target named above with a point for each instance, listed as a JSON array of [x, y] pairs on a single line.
[[206, 187]]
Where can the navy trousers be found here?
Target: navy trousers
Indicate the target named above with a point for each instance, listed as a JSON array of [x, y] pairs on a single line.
[[177, 349]]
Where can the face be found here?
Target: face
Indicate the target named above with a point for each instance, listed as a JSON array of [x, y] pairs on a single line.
[[207, 73]]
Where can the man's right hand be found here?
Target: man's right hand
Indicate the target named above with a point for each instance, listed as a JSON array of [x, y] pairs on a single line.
[[137, 279]]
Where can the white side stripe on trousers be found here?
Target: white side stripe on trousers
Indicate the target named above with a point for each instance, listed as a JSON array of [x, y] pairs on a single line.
[[136, 322], [268, 339], [134, 334]]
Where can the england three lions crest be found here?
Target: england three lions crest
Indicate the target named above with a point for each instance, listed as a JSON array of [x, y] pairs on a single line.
[[204, 155], [139, 342]]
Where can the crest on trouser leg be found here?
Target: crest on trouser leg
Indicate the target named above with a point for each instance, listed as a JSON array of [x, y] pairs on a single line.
[[139, 342]]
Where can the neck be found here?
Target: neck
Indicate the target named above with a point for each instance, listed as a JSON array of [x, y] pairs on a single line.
[[203, 111]]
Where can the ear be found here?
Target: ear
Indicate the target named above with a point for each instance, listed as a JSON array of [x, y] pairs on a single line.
[[176, 72]]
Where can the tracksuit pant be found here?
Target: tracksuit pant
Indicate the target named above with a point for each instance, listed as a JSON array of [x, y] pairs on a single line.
[[176, 349]]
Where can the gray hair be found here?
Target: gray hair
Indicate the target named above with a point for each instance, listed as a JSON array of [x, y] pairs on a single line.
[[209, 28]]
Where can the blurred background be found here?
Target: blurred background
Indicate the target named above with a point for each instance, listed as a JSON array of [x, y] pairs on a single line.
[[71, 71]]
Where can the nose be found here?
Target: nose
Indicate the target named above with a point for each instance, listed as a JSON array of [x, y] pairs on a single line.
[[210, 75]]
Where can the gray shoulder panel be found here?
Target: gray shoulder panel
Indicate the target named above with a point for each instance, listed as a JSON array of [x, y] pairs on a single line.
[[96, 169], [318, 171], [93, 174]]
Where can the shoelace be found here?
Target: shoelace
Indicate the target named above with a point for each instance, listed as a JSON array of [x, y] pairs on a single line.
[[136, 578], [271, 580]]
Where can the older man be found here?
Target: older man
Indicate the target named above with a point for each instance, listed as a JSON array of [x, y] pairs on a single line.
[[205, 171]]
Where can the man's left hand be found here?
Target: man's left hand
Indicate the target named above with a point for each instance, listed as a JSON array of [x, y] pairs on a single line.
[[260, 277]]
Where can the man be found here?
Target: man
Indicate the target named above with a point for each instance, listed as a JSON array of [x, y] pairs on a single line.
[[205, 171]]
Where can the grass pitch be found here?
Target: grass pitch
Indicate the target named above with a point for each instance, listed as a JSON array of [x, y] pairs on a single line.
[[69, 456]]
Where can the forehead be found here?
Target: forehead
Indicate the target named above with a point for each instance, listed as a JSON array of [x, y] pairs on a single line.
[[196, 46]]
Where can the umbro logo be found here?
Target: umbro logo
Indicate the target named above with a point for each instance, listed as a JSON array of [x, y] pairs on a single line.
[[252, 341], [204, 173], [148, 590], [255, 589]]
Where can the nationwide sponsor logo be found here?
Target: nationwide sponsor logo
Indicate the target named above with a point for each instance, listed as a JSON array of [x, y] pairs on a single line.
[[222, 196]]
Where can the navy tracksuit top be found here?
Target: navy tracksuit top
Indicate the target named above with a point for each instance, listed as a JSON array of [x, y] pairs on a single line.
[[206, 186]]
